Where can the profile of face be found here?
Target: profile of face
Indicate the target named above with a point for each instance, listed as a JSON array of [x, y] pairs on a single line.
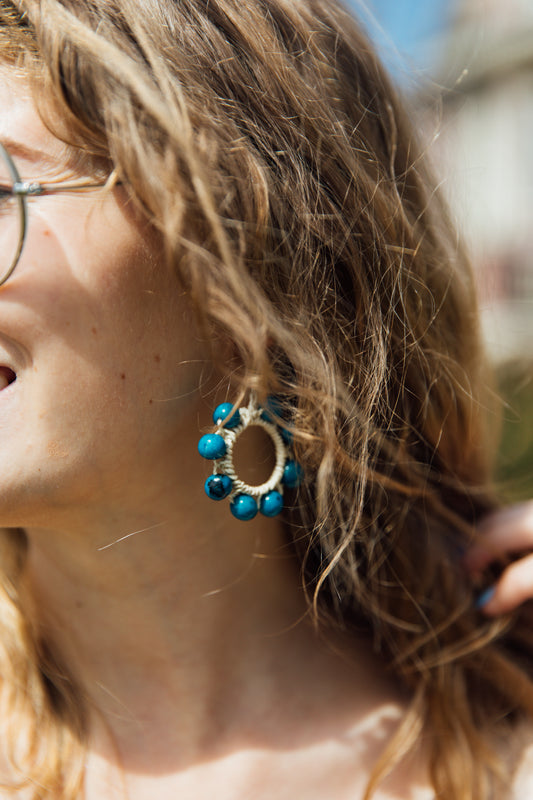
[[98, 336]]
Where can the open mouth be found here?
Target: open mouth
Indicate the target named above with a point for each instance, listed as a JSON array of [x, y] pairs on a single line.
[[7, 376]]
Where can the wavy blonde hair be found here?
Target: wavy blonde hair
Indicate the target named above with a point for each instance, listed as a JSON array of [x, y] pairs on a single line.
[[264, 141]]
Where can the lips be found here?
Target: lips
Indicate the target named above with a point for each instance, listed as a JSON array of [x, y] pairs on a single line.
[[7, 376]]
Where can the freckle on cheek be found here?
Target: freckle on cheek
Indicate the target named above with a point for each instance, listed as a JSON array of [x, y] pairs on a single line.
[[94, 331], [55, 450], [157, 358], [123, 376]]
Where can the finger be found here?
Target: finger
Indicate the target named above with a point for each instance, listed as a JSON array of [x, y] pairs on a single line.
[[513, 588], [507, 531]]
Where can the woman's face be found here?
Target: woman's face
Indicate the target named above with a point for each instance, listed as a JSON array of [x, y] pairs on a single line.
[[98, 335]]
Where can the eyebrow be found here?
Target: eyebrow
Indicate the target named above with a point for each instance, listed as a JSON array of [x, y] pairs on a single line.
[[66, 158], [27, 153]]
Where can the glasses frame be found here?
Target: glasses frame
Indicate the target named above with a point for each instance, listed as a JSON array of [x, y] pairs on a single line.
[[21, 190]]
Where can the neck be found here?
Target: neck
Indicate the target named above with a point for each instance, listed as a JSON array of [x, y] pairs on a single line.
[[163, 626], [193, 641]]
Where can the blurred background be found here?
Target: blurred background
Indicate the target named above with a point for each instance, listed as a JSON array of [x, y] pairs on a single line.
[[467, 66]]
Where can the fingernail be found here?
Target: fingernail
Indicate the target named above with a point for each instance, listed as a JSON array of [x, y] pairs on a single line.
[[485, 597]]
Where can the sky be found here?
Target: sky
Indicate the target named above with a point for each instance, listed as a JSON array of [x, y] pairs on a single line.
[[407, 26]]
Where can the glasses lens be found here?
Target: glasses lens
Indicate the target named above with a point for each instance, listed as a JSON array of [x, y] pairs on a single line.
[[11, 219]]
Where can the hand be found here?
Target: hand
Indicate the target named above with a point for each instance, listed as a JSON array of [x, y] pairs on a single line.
[[503, 533]]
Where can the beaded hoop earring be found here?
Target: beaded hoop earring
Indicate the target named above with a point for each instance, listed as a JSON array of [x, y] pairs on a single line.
[[246, 500]]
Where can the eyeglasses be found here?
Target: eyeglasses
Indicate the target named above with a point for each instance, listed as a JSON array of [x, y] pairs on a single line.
[[14, 193]]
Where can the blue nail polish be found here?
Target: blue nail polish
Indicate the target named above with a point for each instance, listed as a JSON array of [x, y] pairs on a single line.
[[485, 597]]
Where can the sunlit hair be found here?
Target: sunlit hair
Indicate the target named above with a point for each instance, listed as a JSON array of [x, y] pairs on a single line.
[[264, 142]]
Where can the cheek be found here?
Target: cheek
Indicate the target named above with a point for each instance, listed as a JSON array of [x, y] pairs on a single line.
[[116, 361], [87, 431], [121, 380], [91, 236], [96, 284]]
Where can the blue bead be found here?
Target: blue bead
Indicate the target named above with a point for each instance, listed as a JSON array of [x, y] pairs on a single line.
[[223, 411], [292, 474], [217, 487], [286, 435], [243, 506], [272, 410], [271, 504], [212, 446]]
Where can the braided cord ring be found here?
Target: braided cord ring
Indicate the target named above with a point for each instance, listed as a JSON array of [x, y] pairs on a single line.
[[247, 500]]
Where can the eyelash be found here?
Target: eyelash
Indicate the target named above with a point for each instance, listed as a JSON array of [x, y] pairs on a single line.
[[5, 193]]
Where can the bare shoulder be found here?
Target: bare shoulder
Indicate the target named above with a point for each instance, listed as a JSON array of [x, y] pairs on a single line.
[[408, 780], [363, 746]]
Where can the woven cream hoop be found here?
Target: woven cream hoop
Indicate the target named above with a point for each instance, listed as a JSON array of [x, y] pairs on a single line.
[[251, 416]]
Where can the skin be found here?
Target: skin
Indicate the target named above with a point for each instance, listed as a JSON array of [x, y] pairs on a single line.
[[190, 638], [503, 536], [506, 538]]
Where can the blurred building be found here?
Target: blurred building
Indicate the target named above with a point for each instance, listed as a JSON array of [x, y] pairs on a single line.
[[484, 148]]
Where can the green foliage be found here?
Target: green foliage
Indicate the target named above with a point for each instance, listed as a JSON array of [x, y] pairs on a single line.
[[515, 462]]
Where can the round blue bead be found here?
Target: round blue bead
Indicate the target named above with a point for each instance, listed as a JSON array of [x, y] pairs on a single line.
[[271, 504], [217, 487], [292, 474], [243, 506], [212, 446], [223, 411]]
